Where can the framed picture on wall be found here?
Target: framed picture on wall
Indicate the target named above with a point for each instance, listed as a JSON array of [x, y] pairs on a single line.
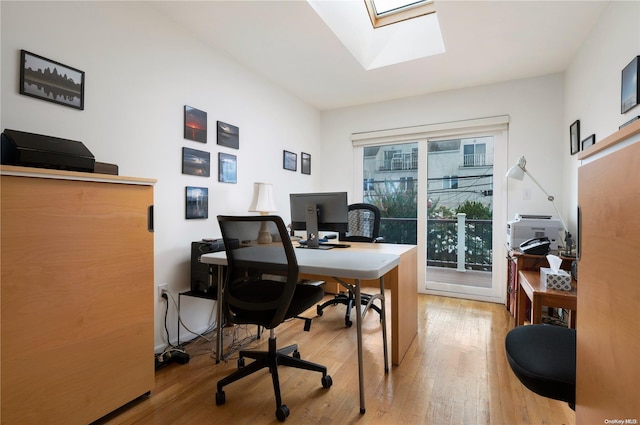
[[574, 137], [227, 168], [52, 81], [306, 163], [196, 202], [289, 161], [228, 135], [195, 124], [195, 162], [591, 140], [630, 87]]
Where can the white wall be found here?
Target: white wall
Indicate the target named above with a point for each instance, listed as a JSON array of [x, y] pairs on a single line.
[[593, 86], [140, 72], [535, 107]]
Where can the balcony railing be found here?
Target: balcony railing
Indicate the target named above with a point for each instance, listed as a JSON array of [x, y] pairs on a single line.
[[474, 252]]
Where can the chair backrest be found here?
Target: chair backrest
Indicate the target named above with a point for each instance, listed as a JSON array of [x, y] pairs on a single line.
[[364, 223], [261, 277]]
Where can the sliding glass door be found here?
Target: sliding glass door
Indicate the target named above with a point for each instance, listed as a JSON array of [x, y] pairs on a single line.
[[438, 191]]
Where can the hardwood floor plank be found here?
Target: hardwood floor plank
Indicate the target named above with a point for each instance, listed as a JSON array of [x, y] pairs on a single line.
[[455, 372]]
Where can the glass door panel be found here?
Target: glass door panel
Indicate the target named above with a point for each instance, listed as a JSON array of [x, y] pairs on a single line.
[[460, 215], [391, 183]]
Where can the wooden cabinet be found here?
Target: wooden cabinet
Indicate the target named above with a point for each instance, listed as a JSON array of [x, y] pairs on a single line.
[[608, 330], [76, 295]]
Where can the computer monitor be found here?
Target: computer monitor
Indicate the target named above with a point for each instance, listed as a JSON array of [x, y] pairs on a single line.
[[312, 212]]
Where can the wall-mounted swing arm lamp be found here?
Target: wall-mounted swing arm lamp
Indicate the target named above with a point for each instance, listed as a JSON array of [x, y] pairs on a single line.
[[518, 172]]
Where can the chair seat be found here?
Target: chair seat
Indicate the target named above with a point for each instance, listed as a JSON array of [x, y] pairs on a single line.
[[543, 357]]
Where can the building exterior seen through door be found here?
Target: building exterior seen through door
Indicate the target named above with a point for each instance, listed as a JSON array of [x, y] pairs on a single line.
[[458, 206]]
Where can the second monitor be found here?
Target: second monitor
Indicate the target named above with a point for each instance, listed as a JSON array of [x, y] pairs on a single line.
[[313, 212]]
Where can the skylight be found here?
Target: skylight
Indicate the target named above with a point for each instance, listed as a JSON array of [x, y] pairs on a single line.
[[386, 12], [407, 40]]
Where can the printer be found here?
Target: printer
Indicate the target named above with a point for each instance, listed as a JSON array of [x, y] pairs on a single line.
[[525, 227]]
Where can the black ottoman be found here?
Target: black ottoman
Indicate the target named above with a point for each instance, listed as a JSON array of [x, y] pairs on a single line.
[[543, 357]]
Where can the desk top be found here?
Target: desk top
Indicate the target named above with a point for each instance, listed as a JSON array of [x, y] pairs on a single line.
[[360, 261], [532, 279]]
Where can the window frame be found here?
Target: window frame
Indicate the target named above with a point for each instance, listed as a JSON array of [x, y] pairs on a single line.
[[400, 14]]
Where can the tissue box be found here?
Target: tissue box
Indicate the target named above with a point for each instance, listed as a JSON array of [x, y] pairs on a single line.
[[552, 280]]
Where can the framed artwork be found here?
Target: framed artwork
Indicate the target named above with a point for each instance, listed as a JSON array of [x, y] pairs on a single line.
[[228, 135], [588, 141], [634, 119], [196, 163], [305, 163], [195, 124], [630, 87], [574, 137], [196, 202], [227, 168], [289, 161], [52, 81]]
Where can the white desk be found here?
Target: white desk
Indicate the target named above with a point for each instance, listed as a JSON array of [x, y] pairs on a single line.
[[349, 263]]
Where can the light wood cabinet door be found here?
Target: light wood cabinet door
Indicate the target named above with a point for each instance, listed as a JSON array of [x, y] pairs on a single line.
[[77, 298], [608, 329]]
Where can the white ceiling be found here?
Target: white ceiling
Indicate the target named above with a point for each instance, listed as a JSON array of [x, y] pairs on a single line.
[[485, 41]]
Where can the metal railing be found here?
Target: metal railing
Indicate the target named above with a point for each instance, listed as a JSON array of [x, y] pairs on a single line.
[[443, 248]]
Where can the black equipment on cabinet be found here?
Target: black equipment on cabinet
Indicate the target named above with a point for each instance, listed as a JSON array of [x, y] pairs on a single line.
[[201, 282]]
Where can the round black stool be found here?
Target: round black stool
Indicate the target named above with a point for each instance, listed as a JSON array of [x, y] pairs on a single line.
[[543, 357]]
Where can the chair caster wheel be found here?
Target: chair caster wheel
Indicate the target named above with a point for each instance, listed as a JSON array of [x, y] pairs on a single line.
[[240, 362], [319, 310], [348, 323], [282, 412], [327, 382], [220, 398], [296, 354]]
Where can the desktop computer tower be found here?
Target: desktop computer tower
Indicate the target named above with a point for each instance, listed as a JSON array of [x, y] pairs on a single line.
[[201, 282]]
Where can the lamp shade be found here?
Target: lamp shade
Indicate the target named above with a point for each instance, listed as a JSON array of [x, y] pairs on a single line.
[[262, 198], [518, 170]]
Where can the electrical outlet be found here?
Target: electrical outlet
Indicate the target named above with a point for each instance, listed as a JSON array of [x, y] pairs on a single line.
[[163, 287]]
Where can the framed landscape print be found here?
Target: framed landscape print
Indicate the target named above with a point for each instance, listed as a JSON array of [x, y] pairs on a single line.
[[52, 81], [196, 202], [195, 124], [227, 168], [306, 163], [195, 162], [630, 87], [574, 137], [289, 161], [228, 135]]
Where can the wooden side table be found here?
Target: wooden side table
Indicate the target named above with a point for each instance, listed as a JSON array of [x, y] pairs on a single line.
[[529, 288]]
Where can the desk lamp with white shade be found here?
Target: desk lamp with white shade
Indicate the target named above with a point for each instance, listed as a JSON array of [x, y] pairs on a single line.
[[518, 172], [264, 204]]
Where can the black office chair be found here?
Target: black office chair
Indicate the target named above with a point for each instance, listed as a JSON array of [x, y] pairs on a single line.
[[364, 226], [261, 288], [543, 357]]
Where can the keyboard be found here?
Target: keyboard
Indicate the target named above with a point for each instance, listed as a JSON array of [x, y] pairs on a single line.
[[335, 245]]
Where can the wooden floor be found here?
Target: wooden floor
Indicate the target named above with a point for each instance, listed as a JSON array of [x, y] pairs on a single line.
[[455, 372]]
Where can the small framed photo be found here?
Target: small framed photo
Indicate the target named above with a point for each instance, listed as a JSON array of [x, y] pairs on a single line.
[[52, 81], [228, 135], [591, 140], [289, 161], [305, 163], [195, 124], [196, 202], [574, 137], [196, 163], [630, 87], [227, 168]]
